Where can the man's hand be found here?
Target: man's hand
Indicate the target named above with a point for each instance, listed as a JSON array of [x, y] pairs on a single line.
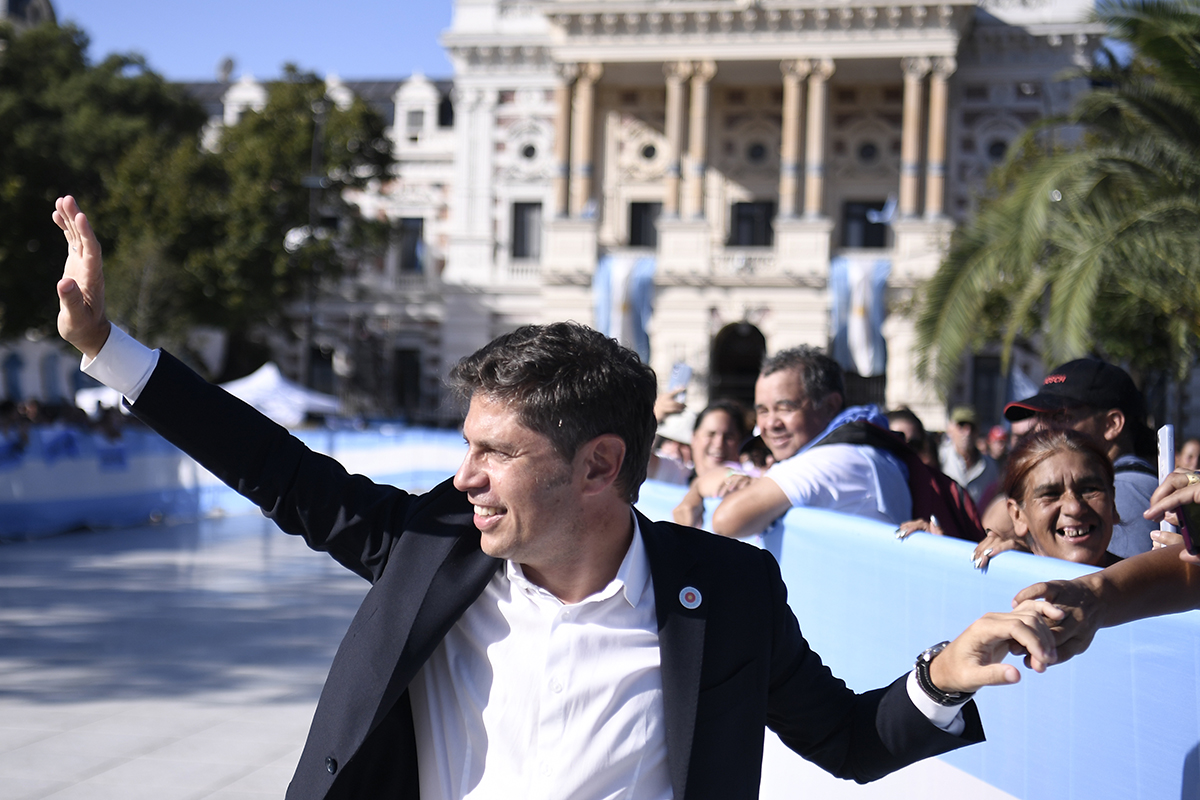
[[81, 318], [1081, 613], [975, 659]]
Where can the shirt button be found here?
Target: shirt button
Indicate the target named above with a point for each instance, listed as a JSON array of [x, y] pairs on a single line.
[[557, 687], [545, 770], [566, 615]]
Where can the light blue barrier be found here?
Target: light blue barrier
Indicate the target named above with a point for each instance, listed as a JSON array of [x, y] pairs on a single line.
[[66, 479], [1119, 721]]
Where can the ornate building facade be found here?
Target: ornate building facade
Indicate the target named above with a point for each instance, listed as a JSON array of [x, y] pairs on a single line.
[[754, 150], [709, 179]]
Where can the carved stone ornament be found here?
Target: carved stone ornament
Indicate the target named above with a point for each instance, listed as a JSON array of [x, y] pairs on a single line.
[[643, 153]]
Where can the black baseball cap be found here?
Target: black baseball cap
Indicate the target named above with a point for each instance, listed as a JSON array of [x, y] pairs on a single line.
[[1084, 382]]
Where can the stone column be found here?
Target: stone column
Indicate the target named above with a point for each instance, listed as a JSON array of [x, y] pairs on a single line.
[[910, 134], [789, 151], [814, 138], [935, 169], [676, 73], [562, 137], [581, 136], [693, 194]]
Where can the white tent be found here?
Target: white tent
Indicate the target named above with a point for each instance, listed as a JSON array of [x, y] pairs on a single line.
[[92, 400], [280, 399]]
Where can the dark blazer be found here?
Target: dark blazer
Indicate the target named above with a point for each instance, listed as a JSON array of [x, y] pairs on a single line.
[[731, 666]]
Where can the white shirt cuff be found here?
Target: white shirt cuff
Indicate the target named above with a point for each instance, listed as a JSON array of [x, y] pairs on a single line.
[[948, 718], [123, 364]]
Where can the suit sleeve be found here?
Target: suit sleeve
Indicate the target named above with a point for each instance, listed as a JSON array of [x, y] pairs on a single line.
[[305, 493], [858, 736]]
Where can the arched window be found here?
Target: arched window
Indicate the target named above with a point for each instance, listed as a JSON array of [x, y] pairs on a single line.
[[12, 377]]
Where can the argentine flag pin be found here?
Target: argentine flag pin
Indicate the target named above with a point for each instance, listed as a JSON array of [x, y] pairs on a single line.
[[690, 597]]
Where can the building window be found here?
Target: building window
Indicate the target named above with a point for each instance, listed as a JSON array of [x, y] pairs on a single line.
[[527, 231], [414, 122], [445, 112], [858, 230], [412, 232], [12, 366], [407, 381], [987, 389], [643, 224], [750, 224]]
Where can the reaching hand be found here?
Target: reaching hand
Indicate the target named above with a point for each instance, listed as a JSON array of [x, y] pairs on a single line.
[[1074, 631], [81, 318], [975, 659], [995, 543]]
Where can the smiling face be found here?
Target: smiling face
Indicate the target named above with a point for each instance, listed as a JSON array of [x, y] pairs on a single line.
[[715, 441], [526, 497], [787, 418], [1067, 508]]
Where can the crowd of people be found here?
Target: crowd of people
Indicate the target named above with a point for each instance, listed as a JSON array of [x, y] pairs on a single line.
[[1070, 476], [54, 426]]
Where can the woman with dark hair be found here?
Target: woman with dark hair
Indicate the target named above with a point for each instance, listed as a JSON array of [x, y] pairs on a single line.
[[1061, 499], [720, 431]]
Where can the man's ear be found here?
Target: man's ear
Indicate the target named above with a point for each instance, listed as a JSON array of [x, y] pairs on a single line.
[[600, 460], [1114, 424]]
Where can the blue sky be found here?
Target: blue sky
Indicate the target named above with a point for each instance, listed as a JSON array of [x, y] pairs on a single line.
[[187, 40]]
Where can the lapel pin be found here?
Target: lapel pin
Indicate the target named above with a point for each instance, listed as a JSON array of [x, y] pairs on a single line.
[[690, 597]]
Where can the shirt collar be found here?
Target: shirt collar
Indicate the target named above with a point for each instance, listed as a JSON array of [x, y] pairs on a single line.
[[632, 579]]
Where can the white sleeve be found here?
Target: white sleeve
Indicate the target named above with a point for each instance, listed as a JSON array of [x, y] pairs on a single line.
[[948, 718], [123, 364]]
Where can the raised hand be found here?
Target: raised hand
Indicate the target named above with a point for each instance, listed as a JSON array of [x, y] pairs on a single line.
[[81, 317]]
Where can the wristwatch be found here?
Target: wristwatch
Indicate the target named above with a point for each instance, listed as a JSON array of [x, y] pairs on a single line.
[[923, 680]]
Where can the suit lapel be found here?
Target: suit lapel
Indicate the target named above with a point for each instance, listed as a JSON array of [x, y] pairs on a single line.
[[673, 569]]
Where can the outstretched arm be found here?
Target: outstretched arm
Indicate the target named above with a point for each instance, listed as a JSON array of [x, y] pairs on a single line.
[[975, 659], [81, 314]]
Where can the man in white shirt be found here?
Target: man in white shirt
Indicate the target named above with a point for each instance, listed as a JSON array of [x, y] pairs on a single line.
[[798, 400], [527, 634]]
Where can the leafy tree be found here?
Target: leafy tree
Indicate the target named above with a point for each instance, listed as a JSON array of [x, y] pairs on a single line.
[[1091, 249], [191, 236], [65, 126]]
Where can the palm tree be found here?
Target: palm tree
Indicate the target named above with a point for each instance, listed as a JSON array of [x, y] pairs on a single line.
[[1092, 248]]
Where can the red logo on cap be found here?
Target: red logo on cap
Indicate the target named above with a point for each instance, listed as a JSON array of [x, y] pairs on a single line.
[[1054, 379]]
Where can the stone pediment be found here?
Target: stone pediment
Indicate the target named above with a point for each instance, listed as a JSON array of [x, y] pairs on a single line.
[[728, 23]]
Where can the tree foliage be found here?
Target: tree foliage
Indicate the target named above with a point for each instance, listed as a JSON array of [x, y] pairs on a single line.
[[191, 235], [1091, 248], [65, 126]]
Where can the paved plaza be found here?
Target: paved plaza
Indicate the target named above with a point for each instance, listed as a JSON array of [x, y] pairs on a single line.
[[183, 662], [170, 662]]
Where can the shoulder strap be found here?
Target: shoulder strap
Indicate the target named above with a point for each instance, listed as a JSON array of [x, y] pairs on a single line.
[[1136, 466], [933, 492]]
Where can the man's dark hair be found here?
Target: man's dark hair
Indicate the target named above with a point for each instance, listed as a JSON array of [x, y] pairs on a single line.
[[569, 383], [820, 375]]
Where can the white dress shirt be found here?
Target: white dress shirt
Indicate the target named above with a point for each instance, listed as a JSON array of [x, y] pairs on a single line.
[[533, 698], [527, 696]]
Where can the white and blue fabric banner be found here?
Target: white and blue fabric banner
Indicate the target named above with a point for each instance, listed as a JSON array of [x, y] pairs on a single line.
[[623, 299], [858, 289]]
